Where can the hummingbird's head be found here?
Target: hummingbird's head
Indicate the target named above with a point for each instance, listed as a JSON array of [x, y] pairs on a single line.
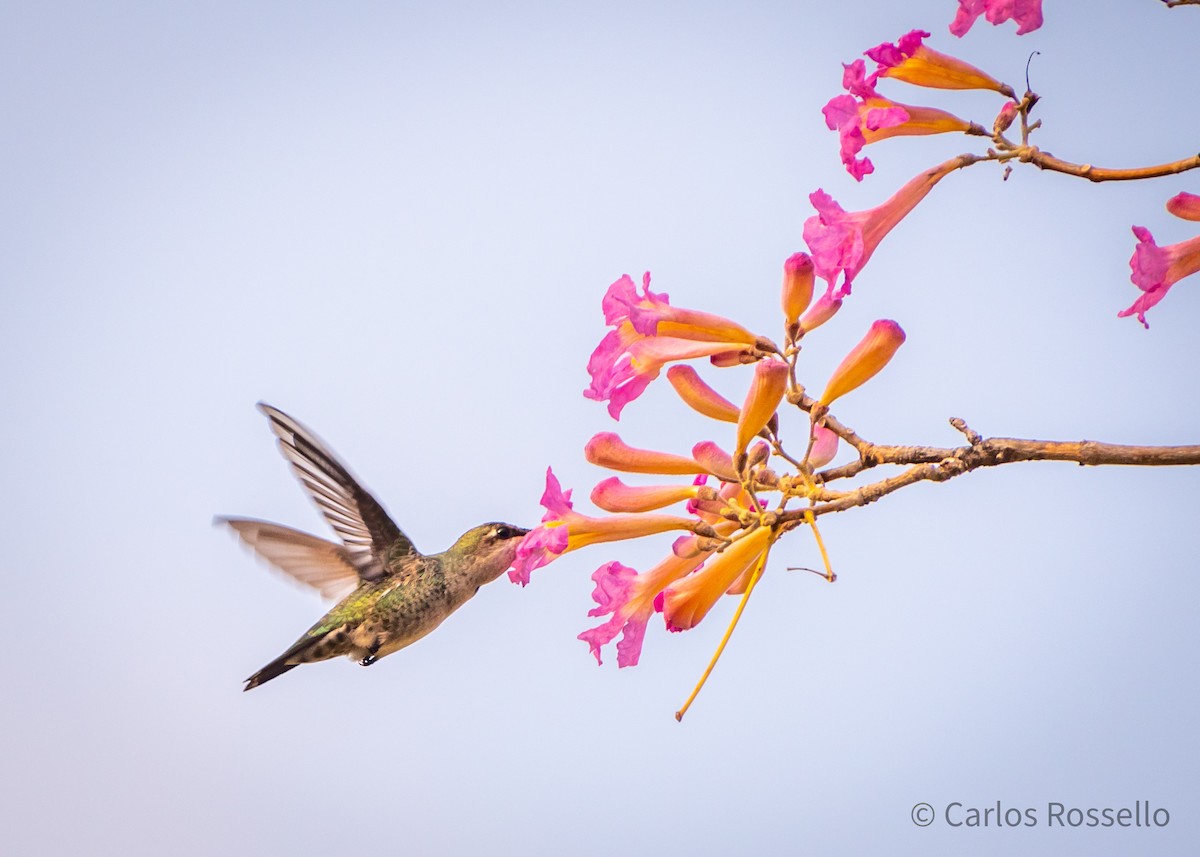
[[488, 550]]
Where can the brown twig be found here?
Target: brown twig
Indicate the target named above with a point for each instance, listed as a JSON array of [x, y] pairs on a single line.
[[939, 464], [1042, 160]]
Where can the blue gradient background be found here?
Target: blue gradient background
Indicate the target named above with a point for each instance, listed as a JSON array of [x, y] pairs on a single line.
[[395, 222]]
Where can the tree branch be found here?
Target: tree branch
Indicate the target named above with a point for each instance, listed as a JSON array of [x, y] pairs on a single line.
[[1045, 161], [939, 464]]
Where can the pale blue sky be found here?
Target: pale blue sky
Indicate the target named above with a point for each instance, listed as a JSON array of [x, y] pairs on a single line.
[[396, 222]]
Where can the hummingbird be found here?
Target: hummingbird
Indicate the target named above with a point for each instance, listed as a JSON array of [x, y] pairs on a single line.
[[391, 594]]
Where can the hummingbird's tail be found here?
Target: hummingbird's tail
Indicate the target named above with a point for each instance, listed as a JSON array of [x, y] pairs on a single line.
[[276, 668]]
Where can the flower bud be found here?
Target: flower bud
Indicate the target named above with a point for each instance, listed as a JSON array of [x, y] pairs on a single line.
[[1185, 205], [612, 495], [1005, 118], [825, 308], [712, 459], [797, 286], [699, 396], [865, 360], [766, 392], [824, 448], [606, 449]]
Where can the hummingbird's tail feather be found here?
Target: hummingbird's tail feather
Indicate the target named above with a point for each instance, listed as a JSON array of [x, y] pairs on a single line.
[[272, 670]]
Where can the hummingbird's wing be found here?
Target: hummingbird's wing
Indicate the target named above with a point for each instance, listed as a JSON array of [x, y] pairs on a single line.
[[356, 516], [326, 567]]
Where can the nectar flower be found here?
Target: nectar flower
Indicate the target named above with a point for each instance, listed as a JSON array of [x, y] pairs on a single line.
[[842, 242], [864, 360], [686, 602], [647, 334], [1156, 269], [859, 123], [1027, 14], [630, 597], [911, 61], [765, 394], [699, 396], [563, 529]]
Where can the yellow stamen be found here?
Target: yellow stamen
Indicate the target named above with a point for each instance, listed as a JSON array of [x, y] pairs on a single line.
[[737, 614], [811, 519]]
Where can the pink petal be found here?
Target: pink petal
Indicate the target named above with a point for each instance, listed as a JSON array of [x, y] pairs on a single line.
[[612, 587], [538, 548], [1149, 262]]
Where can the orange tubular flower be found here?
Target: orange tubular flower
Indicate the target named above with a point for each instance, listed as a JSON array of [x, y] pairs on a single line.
[[922, 121], [686, 602], [864, 361], [911, 61]]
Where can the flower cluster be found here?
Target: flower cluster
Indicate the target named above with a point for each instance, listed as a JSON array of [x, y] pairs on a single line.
[[862, 115], [734, 500]]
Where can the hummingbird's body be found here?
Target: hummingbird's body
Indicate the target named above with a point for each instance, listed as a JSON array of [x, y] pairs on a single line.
[[396, 594]]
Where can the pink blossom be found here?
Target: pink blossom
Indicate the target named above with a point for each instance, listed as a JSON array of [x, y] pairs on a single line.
[[1156, 269], [1027, 14], [842, 242], [842, 115], [649, 333], [630, 598], [563, 529]]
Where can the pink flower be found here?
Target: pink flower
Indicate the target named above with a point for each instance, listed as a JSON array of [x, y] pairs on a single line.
[[563, 529], [842, 242], [877, 118], [630, 598], [647, 334], [842, 114], [913, 62], [1027, 14], [1156, 269]]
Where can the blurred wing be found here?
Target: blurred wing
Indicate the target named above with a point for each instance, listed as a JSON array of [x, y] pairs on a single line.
[[326, 567], [356, 516]]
